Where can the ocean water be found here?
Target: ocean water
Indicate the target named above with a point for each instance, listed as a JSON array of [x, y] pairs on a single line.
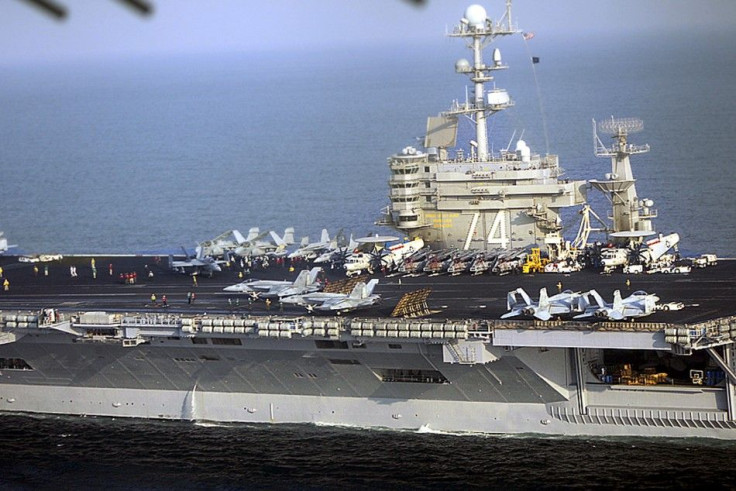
[[152, 154], [94, 453]]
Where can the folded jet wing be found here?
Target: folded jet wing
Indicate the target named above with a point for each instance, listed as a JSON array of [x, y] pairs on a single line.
[[563, 303], [257, 244], [310, 250], [638, 304]]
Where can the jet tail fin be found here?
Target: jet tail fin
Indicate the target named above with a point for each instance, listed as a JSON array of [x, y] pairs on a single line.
[[618, 303], [238, 237], [362, 290], [511, 300], [252, 234], [543, 299], [325, 236], [598, 299], [524, 296], [288, 236], [277, 240], [357, 290], [353, 244], [369, 287], [542, 311], [302, 279], [313, 274]]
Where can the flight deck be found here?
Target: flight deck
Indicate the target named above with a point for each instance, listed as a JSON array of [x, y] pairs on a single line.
[[706, 294]]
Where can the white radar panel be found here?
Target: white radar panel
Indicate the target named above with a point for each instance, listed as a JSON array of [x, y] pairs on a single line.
[[632, 234], [617, 125]]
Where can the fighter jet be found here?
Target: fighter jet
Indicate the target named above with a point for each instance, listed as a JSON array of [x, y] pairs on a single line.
[[305, 283], [222, 245], [197, 264], [638, 304], [256, 244], [362, 296], [560, 304], [337, 255], [310, 250]]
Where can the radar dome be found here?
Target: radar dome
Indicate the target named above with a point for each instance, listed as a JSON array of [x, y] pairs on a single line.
[[462, 65], [476, 15]]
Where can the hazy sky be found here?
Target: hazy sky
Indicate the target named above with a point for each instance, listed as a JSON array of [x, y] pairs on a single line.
[[106, 28]]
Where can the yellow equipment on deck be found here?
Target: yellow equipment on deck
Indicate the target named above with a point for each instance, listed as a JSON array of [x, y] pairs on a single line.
[[535, 263]]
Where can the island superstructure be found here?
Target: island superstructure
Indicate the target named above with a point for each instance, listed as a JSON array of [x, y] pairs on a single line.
[[464, 196]]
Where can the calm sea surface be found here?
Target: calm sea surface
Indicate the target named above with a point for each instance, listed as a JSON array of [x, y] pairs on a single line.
[[141, 155]]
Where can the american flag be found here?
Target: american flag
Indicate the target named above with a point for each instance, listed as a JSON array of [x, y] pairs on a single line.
[[527, 35]]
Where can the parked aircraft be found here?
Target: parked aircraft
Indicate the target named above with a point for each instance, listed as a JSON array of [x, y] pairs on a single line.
[[256, 244], [337, 255], [222, 245], [310, 250], [362, 296], [197, 264], [379, 256], [306, 282], [638, 304], [414, 263], [560, 304]]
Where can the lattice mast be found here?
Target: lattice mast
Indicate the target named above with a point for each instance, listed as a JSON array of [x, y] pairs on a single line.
[[629, 213]]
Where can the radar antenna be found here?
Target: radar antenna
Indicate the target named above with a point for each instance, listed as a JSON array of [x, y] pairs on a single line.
[[630, 214], [620, 128]]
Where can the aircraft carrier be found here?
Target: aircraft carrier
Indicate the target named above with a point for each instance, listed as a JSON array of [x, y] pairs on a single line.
[[90, 335]]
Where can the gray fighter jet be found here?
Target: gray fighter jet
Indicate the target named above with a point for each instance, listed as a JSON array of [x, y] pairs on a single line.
[[563, 303], [638, 304], [362, 296], [305, 283]]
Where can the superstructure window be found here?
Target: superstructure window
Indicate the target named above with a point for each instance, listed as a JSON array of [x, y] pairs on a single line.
[[227, 341], [413, 376], [14, 364], [329, 344], [337, 361]]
